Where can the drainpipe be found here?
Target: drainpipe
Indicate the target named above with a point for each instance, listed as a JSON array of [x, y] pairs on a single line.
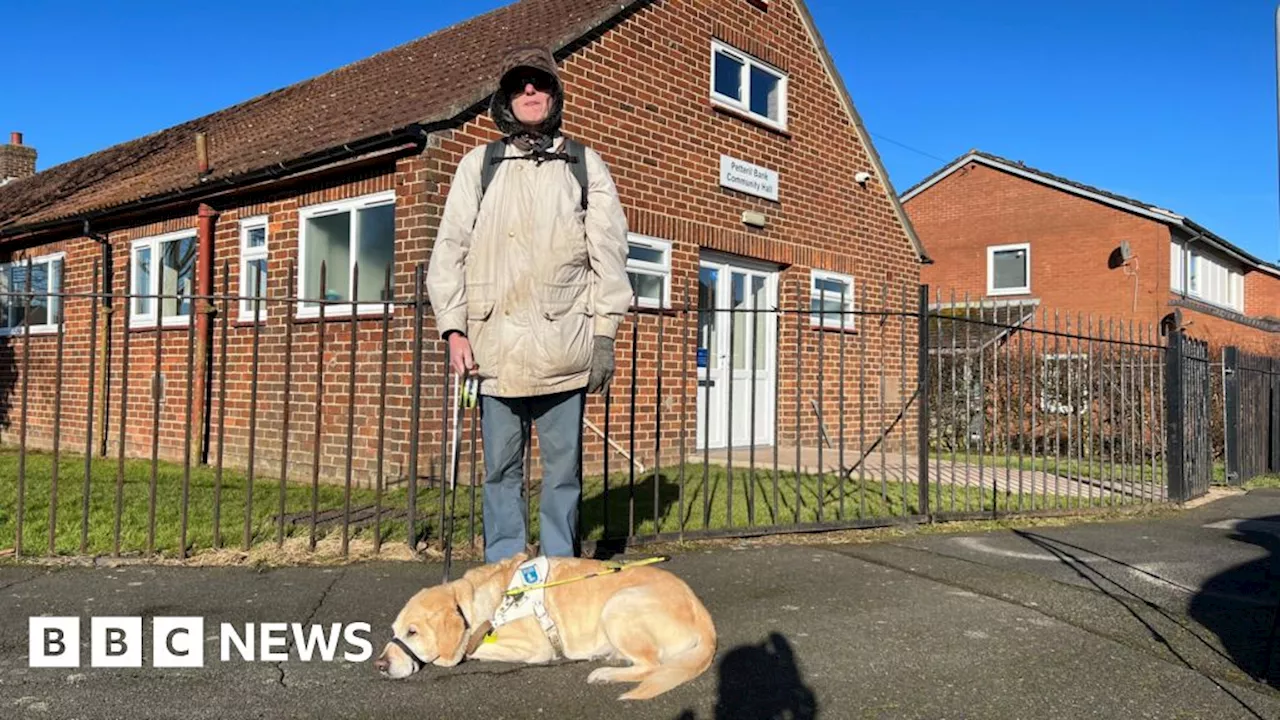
[[102, 397], [203, 308]]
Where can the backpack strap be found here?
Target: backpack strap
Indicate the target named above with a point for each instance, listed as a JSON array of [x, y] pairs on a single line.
[[579, 165], [496, 150], [492, 152]]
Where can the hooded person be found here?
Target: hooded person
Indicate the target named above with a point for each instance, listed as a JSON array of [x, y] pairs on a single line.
[[527, 280]]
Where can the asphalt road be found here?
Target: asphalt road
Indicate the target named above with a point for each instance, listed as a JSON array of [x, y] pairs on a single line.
[[1167, 618]]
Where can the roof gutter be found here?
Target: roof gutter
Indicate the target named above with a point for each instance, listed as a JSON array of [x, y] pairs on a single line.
[[416, 133]]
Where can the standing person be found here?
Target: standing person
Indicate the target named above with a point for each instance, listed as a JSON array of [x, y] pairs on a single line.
[[528, 283]]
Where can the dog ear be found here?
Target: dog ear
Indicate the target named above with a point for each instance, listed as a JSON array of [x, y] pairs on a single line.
[[464, 596], [450, 638]]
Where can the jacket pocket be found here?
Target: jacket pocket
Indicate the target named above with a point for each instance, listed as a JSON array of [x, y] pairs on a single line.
[[565, 343], [484, 340], [558, 300]]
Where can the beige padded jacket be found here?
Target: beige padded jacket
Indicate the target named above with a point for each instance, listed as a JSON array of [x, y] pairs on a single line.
[[528, 275]]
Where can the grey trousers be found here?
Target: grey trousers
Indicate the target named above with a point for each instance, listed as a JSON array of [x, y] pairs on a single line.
[[505, 422]]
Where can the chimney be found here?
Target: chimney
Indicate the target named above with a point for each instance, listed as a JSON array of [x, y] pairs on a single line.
[[17, 161]]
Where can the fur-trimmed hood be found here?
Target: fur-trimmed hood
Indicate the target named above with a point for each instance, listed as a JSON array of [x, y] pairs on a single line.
[[538, 58]]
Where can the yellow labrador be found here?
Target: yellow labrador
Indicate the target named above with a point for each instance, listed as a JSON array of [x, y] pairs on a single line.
[[643, 615]]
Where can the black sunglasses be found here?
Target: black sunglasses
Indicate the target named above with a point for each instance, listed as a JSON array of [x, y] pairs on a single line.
[[539, 80]]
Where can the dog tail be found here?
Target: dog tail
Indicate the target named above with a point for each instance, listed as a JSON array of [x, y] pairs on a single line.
[[684, 665]]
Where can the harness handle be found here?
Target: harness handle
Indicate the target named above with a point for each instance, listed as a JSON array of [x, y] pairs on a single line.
[[610, 568]]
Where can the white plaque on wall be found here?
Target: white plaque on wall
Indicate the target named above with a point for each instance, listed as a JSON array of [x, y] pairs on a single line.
[[748, 178]]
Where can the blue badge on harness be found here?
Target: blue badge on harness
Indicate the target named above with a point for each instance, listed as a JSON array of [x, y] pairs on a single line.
[[530, 574]]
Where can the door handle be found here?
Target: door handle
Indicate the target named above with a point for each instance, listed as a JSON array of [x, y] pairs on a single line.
[[707, 383]]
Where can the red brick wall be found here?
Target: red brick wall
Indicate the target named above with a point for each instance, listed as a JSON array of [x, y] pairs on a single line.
[[175, 403], [1071, 241], [643, 104], [1262, 294], [639, 94]]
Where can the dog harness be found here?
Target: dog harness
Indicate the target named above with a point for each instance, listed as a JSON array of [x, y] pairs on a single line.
[[525, 597]]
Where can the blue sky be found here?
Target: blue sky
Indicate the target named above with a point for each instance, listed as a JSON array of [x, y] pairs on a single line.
[[1169, 101]]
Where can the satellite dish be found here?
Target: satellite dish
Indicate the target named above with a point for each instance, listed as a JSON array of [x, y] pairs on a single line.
[[1126, 252]]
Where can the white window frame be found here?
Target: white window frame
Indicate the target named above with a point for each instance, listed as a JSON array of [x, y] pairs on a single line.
[[350, 205], [991, 269], [744, 105], [661, 270], [154, 243], [248, 255], [1075, 361], [832, 322], [1202, 272], [42, 328]]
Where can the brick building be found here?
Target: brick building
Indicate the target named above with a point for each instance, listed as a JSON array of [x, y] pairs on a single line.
[[1028, 241], [710, 113]]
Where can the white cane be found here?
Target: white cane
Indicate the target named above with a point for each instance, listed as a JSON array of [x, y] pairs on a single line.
[[465, 393]]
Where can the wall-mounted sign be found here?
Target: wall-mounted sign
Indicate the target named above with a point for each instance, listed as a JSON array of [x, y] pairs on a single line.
[[748, 177]]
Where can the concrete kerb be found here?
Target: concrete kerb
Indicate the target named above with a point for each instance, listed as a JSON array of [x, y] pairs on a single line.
[[295, 552]]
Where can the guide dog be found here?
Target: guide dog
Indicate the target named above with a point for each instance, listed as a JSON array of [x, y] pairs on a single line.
[[589, 610]]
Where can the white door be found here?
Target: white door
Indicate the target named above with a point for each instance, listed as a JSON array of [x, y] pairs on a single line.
[[737, 349]]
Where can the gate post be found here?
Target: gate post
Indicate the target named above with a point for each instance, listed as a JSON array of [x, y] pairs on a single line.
[[922, 386], [1273, 428], [1175, 418], [1231, 413]]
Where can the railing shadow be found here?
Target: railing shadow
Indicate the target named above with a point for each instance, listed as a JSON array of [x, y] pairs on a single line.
[[761, 682], [624, 511], [1247, 634], [1231, 627]]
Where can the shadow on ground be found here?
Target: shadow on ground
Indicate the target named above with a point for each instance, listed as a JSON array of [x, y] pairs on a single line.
[[761, 682], [1246, 630], [626, 506], [1247, 633]]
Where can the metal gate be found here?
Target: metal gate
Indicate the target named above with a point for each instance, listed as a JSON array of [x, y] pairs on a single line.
[[1251, 427], [1188, 390]]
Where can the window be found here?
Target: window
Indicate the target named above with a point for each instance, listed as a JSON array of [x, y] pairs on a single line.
[[163, 278], [743, 83], [253, 267], [830, 301], [1009, 269], [342, 236], [649, 268], [1064, 383], [1207, 278], [46, 308]]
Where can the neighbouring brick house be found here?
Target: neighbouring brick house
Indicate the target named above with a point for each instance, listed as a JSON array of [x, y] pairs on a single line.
[[712, 114], [1024, 241]]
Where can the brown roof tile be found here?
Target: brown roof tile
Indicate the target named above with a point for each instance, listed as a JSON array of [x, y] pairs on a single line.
[[427, 80]]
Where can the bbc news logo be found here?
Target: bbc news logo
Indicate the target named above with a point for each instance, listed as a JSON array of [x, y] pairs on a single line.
[[179, 642]]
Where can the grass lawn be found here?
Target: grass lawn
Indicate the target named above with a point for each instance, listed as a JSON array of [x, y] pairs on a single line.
[[1097, 469], [706, 504], [1262, 482]]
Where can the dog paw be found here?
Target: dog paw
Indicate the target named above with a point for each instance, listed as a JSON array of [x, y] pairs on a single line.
[[600, 676]]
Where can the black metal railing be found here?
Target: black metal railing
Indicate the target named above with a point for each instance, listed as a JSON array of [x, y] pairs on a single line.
[[743, 406], [1251, 414]]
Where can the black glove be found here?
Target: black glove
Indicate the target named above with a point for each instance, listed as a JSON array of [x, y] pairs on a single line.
[[601, 365]]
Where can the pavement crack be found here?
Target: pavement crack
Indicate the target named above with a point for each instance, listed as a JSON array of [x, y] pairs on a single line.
[[306, 623], [23, 581]]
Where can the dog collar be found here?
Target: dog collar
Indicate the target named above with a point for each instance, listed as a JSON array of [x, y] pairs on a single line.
[[418, 663]]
